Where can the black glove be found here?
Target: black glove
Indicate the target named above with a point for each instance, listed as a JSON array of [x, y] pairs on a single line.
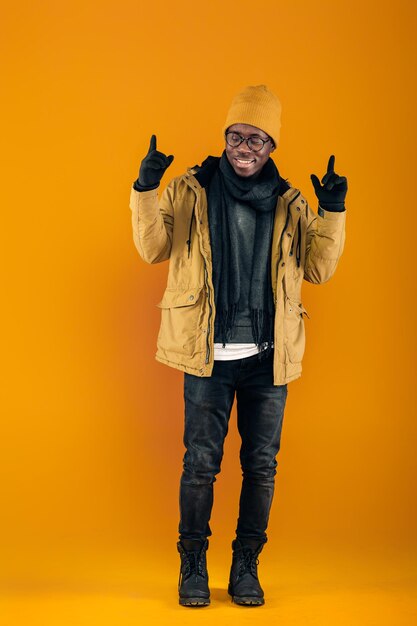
[[332, 195], [152, 168]]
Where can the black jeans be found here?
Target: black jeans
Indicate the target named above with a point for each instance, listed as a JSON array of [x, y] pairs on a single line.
[[260, 411]]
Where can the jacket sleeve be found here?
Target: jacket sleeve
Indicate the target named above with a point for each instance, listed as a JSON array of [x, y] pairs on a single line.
[[153, 222], [325, 241]]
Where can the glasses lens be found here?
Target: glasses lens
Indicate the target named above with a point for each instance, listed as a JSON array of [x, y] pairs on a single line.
[[233, 139], [256, 143]]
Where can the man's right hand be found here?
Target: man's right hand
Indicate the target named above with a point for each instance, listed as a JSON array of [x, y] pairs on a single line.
[[153, 166]]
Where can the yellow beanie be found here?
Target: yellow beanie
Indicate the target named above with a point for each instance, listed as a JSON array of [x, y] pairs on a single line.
[[257, 106]]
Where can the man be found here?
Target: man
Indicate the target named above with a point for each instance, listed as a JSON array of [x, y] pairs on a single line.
[[240, 240]]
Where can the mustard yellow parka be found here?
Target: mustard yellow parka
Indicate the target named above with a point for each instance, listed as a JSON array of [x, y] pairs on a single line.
[[305, 246]]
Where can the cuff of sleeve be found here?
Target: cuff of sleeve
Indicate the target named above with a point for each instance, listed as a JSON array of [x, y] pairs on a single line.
[[138, 187], [333, 208]]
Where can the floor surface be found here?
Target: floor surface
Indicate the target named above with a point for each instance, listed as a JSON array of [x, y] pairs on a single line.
[[300, 589]]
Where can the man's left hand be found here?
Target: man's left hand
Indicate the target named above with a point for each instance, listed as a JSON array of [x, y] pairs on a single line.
[[332, 194]]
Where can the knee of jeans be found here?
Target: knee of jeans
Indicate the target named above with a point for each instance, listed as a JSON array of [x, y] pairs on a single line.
[[259, 475], [200, 470]]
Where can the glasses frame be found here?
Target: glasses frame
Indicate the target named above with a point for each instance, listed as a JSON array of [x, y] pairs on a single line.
[[242, 139]]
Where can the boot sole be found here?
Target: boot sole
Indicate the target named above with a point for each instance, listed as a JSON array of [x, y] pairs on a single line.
[[194, 601], [247, 600]]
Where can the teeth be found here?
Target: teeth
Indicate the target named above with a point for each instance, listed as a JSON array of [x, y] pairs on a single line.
[[242, 161]]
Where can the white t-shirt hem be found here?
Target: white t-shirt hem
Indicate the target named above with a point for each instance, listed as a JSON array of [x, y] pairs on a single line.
[[234, 351]]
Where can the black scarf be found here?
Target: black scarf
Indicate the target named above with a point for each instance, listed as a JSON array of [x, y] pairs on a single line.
[[260, 193]]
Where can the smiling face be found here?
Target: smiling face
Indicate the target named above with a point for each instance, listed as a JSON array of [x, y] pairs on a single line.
[[245, 161]]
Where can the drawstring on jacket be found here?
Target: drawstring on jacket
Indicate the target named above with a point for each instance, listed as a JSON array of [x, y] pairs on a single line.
[[189, 233], [298, 249]]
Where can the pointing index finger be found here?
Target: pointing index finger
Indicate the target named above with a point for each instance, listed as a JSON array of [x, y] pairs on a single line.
[[330, 165], [152, 145]]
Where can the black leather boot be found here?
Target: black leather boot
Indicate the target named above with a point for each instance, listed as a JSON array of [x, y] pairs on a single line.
[[244, 586], [193, 581]]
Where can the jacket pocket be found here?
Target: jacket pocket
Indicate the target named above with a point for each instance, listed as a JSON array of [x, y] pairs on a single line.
[[181, 313], [294, 329]]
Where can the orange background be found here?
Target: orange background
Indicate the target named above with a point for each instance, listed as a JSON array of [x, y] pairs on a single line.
[[91, 423]]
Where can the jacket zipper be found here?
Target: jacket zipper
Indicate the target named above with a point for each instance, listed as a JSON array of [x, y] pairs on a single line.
[[207, 287], [298, 249], [285, 226], [282, 234], [210, 312]]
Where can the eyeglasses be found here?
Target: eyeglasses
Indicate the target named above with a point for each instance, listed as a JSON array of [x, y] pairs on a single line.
[[254, 143]]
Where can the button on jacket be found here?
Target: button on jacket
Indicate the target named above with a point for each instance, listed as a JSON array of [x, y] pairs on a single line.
[[305, 245]]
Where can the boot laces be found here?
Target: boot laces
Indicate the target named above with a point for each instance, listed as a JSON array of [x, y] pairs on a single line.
[[193, 563], [248, 562]]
